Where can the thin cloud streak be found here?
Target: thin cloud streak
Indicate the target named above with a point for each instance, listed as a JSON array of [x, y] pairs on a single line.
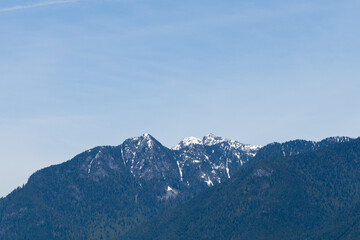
[[35, 5]]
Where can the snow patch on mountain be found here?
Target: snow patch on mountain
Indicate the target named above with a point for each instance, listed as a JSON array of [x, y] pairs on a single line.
[[211, 139], [188, 141], [181, 175]]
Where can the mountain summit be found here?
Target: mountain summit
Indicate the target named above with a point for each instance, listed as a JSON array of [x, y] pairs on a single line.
[[211, 140]]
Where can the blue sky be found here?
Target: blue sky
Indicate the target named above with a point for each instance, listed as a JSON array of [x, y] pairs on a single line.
[[78, 74]]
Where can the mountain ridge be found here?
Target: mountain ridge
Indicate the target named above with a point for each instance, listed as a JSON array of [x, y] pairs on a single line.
[[311, 195], [128, 183], [112, 189]]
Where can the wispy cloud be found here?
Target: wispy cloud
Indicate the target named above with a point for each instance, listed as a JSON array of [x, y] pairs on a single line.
[[35, 5]]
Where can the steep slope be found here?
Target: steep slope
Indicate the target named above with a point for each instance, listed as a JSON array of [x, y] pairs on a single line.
[[311, 195], [106, 191], [211, 160]]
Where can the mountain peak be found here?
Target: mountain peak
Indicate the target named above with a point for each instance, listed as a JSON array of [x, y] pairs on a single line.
[[188, 141], [144, 140], [147, 136], [210, 139]]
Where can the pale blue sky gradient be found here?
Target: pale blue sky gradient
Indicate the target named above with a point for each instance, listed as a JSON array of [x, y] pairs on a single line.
[[78, 74]]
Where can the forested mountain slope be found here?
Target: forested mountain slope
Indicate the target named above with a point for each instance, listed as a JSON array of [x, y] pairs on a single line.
[[312, 195]]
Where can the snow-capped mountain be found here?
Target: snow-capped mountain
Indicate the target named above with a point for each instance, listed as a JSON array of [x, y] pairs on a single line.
[[193, 162], [111, 189], [212, 159]]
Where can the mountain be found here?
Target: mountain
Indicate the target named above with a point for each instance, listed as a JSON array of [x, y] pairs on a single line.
[[287, 192], [211, 160], [103, 192], [107, 191]]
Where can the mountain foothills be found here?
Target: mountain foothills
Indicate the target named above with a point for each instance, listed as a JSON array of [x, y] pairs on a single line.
[[210, 188]]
